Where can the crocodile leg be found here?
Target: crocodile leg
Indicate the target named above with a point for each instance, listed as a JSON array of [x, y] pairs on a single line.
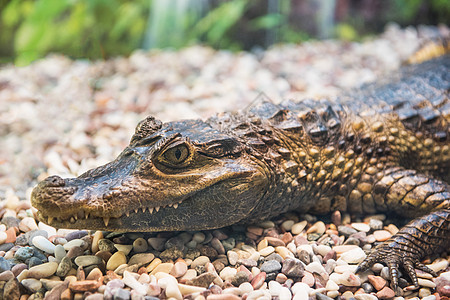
[[409, 193]]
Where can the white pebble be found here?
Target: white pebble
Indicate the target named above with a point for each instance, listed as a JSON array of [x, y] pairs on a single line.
[[285, 294], [274, 288], [50, 230], [130, 281], [227, 273], [246, 287], [332, 286], [3, 237], [322, 249], [76, 242], [43, 244], [315, 267], [439, 265], [354, 256], [426, 283], [361, 227]]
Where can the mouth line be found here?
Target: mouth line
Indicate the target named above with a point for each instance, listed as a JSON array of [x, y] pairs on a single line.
[[84, 215]]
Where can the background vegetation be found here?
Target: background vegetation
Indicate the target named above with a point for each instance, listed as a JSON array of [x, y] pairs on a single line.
[[93, 29]]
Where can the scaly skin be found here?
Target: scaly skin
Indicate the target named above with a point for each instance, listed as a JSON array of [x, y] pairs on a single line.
[[382, 148]]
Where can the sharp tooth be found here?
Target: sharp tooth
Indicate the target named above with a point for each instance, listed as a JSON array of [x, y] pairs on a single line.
[[106, 221], [127, 213], [143, 209], [150, 210], [72, 220], [75, 217], [86, 216], [50, 220], [170, 205], [157, 208], [175, 205], [136, 210]]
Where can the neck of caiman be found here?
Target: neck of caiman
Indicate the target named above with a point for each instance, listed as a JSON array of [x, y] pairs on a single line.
[[327, 155]]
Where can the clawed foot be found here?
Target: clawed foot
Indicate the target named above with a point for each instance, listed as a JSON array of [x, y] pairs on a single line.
[[394, 256]]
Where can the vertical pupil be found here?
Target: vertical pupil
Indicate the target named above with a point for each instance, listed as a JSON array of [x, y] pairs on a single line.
[[178, 153]]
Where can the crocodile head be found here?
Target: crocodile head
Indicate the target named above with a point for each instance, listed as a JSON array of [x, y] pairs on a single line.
[[173, 176]]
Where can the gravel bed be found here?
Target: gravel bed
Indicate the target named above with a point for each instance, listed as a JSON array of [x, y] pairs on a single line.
[[59, 116]]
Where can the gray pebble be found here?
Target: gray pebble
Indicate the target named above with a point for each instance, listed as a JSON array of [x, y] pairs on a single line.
[[38, 254], [367, 287], [22, 240], [34, 261], [10, 221], [121, 294], [6, 247], [59, 253], [270, 266], [274, 256], [346, 231], [375, 224], [320, 296], [76, 235], [5, 265], [229, 243], [24, 253]]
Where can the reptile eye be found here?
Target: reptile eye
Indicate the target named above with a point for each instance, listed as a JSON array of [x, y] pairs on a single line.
[[177, 154]]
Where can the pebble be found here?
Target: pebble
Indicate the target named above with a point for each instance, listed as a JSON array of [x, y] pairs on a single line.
[[203, 260], [43, 270], [283, 243], [74, 243], [353, 256], [315, 267], [31, 284], [116, 260], [270, 266], [318, 227], [141, 259], [381, 235], [385, 293], [87, 260], [426, 283]]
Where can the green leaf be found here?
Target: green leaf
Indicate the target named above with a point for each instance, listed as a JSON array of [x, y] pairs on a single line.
[[267, 22]]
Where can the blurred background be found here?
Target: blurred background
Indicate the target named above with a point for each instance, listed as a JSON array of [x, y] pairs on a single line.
[[100, 29]]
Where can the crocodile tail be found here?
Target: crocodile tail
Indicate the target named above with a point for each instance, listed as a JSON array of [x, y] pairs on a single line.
[[432, 47]]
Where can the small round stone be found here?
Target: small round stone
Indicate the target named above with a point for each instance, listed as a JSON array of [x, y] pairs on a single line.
[[270, 266], [116, 260], [140, 245]]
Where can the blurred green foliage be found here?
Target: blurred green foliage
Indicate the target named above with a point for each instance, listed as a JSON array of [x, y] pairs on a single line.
[[92, 29]]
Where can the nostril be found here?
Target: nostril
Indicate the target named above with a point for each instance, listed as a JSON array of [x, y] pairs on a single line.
[[54, 181]]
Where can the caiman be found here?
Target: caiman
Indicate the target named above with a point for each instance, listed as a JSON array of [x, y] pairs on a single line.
[[382, 148]]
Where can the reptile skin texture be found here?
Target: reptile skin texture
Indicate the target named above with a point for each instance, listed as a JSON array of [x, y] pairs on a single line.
[[384, 147]]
